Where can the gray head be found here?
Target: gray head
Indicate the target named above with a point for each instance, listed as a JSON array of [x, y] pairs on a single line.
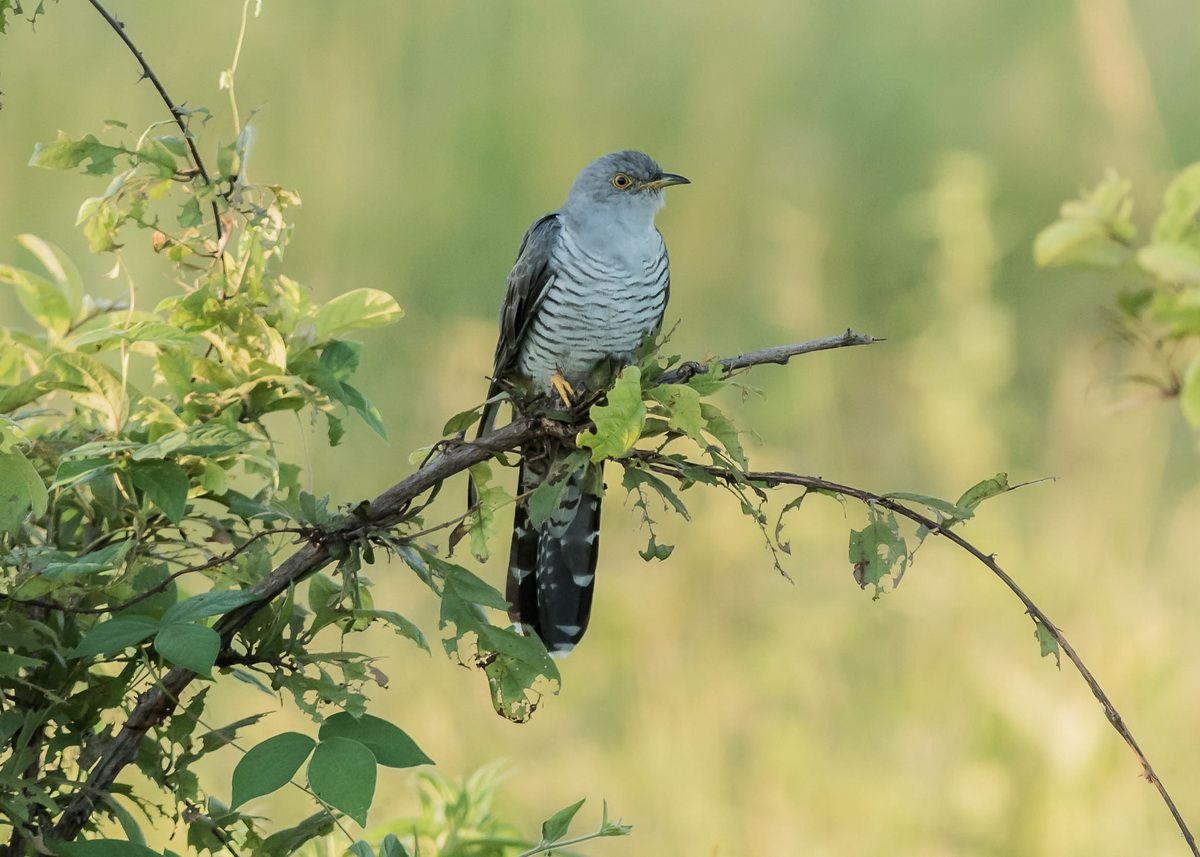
[[623, 186]]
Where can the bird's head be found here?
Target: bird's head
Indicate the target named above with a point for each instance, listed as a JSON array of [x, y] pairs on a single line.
[[626, 186]]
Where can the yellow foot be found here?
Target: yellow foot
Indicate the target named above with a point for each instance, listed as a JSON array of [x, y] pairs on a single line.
[[564, 390]]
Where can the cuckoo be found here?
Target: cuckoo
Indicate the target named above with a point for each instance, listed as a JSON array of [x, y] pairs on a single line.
[[590, 283]]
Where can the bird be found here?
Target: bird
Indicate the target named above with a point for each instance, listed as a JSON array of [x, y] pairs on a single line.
[[589, 286]]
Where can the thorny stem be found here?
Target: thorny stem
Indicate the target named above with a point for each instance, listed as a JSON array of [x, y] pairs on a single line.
[[178, 115]]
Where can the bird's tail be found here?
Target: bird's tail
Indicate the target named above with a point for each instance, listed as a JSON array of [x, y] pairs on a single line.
[[552, 567]]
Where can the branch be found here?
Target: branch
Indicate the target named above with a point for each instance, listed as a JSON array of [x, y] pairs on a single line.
[[780, 354], [156, 705], [773, 478], [176, 114]]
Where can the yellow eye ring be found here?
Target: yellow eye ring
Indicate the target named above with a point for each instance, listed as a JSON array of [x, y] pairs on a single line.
[[621, 181]]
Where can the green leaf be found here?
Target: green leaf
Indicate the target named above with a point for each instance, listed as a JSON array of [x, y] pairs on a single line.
[[61, 269], [1046, 642], [947, 508], [360, 308], [165, 485], [1095, 230], [102, 390], [401, 625], [189, 214], [193, 647], [712, 380], [66, 154], [213, 603], [103, 848], [391, 745], [1171, 262], [471, 588], [340, 358], [619, 422], [115, 635], [481, 524], [726, 433], [155, 153], [342, 774], [1181, 206], [41, 299], [518, 671], [269, 766], [460, 422], [289, 840], [11, 664], [106, 558], [556, 826], [545, 499], [638, 477], [682, 405], [391, 847], [79, 470], [21, 490], [984, 490], [876, 551]]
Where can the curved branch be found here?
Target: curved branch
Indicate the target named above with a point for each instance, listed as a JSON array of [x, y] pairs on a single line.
[[119, 28], [156, 705], [773, 478]]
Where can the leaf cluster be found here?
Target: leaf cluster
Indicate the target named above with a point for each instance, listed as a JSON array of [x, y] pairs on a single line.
[[1159, 310]]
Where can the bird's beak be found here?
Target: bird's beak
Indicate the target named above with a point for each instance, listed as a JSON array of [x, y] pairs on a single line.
[[666, 180]]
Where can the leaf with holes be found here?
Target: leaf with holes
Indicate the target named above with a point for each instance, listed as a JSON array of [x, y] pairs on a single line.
[[618, 424]]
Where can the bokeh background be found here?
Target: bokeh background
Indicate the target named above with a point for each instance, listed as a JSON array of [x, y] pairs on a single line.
[[867, 163]]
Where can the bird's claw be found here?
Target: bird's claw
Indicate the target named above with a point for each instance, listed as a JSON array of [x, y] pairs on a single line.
[[563, 388]]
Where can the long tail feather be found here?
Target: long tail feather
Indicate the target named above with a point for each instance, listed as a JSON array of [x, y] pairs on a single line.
[[552, 567]]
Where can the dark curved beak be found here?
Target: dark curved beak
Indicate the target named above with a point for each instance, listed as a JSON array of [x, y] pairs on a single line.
[[666, 180]]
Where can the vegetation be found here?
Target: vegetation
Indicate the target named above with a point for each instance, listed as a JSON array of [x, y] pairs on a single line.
[[153, 520]]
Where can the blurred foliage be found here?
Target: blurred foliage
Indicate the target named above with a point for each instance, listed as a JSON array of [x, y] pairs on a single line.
[[858, 162], [1159, 314]]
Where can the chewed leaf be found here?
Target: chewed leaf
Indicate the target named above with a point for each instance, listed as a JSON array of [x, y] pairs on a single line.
[[876, 551], [1046, 642], [619, 422], [981, 491]]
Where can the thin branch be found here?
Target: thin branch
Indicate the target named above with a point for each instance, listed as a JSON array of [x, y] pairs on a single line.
[[386, 510], [780, 354], [156, 705], [772, 478], [176, 114]]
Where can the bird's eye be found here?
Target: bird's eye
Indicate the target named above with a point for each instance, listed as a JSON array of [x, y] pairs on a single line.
[[621, 181]]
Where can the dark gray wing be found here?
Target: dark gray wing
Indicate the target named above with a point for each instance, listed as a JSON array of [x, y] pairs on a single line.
[[526, 289]]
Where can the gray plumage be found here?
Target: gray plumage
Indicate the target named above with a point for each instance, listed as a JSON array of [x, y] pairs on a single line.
[[591, 281]]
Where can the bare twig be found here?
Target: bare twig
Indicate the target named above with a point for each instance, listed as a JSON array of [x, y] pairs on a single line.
[[780, 354], [771, 478]]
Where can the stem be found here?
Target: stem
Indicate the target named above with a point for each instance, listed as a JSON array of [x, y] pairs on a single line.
[[232, 72], [176, 113]]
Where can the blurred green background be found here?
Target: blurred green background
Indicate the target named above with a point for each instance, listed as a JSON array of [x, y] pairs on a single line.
[[870, 163]]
